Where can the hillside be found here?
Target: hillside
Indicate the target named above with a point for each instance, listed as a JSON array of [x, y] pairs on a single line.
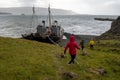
[[38, 10], [113, 32], [30, 60]]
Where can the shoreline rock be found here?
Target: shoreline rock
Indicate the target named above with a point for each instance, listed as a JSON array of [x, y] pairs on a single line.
[[113, 32], [78, 38], [104, 19]]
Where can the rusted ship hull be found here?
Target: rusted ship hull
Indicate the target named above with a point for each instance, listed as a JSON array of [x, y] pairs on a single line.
[[48, 39]]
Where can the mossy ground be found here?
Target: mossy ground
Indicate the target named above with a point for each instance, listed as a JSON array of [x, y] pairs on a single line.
[[30, 60]]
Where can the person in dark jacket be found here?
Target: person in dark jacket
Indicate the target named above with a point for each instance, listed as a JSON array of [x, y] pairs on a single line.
[[82, 44], [72, 45]]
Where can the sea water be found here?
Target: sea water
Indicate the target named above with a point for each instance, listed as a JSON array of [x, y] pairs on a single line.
[[15, 25]]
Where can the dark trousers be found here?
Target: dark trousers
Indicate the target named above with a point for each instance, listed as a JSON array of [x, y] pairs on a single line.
[[91, 47], [72, 59], [82, 47]]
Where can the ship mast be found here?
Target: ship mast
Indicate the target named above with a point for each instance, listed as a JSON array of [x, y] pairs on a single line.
[[33, 9], [33, 18], [49, 16]]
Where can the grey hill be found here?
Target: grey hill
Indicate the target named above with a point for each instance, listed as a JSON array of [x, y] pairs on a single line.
[[38, 11]]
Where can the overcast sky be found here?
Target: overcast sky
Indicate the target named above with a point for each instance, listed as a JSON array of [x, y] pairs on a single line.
[[102, 7]]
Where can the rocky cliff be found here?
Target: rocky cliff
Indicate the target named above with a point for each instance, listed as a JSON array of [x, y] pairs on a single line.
[[114, 32]]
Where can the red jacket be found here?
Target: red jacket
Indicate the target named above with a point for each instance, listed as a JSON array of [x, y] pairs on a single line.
[[72, 45]]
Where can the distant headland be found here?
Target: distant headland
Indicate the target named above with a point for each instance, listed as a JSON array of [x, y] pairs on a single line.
[[38, 11], [5, 13]]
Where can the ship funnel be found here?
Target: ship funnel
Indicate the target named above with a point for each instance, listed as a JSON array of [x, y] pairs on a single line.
[[56, 23], [43, 22]]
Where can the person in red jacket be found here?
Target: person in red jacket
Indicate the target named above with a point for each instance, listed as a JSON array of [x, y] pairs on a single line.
[[72, 45]]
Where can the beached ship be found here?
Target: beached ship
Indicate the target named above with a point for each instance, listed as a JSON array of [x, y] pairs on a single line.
[[52, 33]]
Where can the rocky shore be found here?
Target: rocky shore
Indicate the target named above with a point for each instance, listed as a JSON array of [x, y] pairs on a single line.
[[78, 38], [113, 32], [104, 19]]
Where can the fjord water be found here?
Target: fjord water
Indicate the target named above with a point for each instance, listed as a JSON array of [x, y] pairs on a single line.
[[15, 25]]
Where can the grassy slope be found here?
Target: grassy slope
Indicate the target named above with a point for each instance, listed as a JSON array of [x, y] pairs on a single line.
[[31, 60]]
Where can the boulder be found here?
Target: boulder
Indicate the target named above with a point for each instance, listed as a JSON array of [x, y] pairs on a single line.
[[70, 75]]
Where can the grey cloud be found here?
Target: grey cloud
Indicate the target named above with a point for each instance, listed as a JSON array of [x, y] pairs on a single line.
[[97, 1], [24, 1], [114, 8], [27, 2], [104, 6], [33, 2]]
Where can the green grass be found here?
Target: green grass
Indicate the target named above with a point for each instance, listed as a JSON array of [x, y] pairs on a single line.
[[30, 60]]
